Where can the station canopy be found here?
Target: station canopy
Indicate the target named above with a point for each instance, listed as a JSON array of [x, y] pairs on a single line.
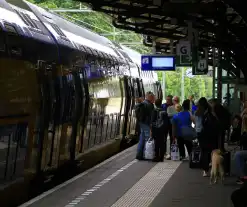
[[220, 24]]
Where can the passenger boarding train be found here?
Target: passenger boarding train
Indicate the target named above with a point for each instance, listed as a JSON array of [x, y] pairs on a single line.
[[64, 91]]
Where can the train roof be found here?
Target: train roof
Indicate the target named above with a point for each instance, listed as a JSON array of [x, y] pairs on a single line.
[[134, 55], [74, 32]]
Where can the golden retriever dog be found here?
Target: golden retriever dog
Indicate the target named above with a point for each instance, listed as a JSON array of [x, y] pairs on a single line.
[[217, 170]]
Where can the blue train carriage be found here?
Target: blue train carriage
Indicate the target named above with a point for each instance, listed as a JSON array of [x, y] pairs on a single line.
[[93, 94], [27, 50], [20, 87]]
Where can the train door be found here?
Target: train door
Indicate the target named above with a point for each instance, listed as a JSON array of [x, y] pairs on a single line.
[[85, 109], [139, 87], [142, 88], [128, 96], [42, 122], [76, 114], [67, 94], [135, 94], [54, 130]]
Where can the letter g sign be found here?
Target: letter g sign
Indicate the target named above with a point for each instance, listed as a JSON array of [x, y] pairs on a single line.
[[183, 50]]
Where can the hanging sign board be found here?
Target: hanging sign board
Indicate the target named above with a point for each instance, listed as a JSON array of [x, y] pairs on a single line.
[[158, 63]]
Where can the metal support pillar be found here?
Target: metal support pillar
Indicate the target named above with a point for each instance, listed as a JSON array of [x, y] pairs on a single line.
[[219, 76], [221, 30], [214, 72], [182, 84]]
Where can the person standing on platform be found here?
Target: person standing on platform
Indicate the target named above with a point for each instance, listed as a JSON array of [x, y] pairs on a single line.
[[168, 103], [181, 120], [138, 102], [144, 112], [165, 106], [160, 125], [209, 133]]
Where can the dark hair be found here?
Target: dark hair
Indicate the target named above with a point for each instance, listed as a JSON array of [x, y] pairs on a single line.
[[170, 96], [150, 93], [158, 103], [203, 103], [186, 105]]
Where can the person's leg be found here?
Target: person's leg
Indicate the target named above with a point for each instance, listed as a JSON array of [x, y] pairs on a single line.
[[141, 144], [165, 142], [145, 135], [180, 141], [162, 149], [205, 160], [156, 147], [188, 145], [239, 159]]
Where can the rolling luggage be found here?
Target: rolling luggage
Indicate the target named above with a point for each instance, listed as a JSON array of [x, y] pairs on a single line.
[[195, 156]]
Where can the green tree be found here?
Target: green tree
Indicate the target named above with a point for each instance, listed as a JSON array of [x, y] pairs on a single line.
[[199, 86]]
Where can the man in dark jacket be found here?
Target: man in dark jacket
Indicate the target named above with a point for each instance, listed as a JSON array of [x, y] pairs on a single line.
[[144, 112], [160, 123]]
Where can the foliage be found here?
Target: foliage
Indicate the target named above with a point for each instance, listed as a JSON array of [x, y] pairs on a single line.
[[96, 21], [199, 86], [101, 23]]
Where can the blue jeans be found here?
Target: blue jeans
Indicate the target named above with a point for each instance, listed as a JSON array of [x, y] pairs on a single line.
[[240, 159], [144, 136]]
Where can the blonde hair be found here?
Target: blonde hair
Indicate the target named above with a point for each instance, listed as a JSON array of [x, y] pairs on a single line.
[[178, 107]]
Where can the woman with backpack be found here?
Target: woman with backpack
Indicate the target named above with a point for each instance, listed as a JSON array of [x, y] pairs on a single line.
[[159, 128]]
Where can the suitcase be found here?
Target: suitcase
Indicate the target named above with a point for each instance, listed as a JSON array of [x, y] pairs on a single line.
[[195, 156], [227, 163]]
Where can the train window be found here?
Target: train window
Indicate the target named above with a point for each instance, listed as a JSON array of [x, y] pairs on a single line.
[[28, 20], [10, 28], [58, 30]]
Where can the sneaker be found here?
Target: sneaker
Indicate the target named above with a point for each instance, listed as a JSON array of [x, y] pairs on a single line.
[[205, 174], [240, 182], [168, 157]]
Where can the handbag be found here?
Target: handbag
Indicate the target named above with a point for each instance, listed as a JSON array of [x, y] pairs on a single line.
[[149, 149], [175, 156], [188, 133]]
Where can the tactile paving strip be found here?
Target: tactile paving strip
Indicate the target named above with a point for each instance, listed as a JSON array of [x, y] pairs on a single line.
[[144, 191]]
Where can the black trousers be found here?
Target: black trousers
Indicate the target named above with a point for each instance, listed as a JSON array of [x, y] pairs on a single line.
[[206, 158], [160, 147], [222, 140], [239, 198], [169, 132], [181, 142]]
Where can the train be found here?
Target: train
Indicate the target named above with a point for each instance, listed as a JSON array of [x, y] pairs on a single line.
[[67, 98]]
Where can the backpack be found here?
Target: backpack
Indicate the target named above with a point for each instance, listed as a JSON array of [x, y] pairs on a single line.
[[140, 111], [158, 123]]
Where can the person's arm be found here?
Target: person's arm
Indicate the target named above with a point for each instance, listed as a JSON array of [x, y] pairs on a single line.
[[153, 118], [192, 118]]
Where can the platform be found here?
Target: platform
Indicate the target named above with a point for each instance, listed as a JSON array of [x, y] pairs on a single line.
[[122, 181]]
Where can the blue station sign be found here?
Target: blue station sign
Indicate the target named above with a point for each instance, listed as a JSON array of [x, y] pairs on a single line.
[[158, 63]]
